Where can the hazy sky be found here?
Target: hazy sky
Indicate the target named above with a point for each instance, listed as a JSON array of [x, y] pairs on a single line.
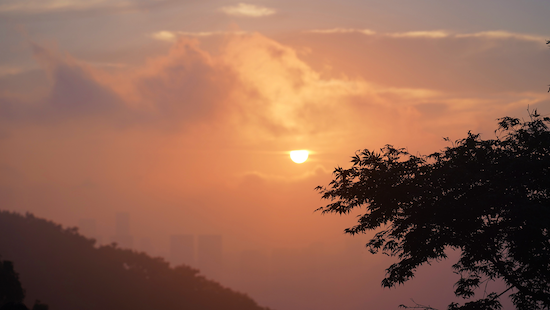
[[182, 113]]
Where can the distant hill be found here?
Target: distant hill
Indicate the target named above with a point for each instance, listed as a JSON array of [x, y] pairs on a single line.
[[64, 270]]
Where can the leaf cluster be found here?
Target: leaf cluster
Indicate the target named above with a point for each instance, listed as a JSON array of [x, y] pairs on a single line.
[[489, 199]]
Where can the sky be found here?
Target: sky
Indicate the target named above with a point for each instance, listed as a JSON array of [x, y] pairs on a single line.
[[183, 113]]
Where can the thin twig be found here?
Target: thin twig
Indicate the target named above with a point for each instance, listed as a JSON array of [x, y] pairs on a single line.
[[417, 306]]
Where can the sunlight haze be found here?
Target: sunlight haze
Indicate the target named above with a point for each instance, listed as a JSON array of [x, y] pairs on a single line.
[[181, 114]]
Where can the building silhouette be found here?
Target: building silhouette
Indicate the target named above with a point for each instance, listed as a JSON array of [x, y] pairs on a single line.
[[182, 250], [122, 235], [209, 254]]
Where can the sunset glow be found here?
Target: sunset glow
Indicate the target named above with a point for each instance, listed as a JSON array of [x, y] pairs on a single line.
[[182, 114]]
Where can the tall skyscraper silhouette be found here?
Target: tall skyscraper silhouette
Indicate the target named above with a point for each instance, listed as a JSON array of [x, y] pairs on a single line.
[[210, 255], [182, 250], [122, 231]]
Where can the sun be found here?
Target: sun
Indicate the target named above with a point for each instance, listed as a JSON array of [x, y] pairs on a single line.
[[299, 156]]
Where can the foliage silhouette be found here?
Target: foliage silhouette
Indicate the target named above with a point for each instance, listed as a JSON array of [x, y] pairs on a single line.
[[11, 290], [489, 199], [12, 293], [68, 272], [40, 306]]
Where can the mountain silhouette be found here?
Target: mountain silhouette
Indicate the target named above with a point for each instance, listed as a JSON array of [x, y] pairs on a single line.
[[66, 271]]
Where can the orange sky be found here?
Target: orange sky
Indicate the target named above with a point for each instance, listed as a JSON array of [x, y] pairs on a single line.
[[188, 127]]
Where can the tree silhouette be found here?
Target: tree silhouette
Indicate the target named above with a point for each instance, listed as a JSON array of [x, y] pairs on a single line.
[[40, 306], [488, 199], [11, 291]]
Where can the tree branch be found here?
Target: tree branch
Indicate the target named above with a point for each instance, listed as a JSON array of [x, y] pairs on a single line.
[[417, 306]]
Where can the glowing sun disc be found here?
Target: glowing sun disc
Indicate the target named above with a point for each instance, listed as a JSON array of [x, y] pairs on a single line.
[[299, 156]]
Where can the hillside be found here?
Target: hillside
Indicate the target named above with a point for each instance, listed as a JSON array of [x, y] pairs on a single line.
[[64, 270]]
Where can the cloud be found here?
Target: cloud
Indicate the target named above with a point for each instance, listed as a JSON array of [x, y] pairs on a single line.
[[255, 178], [52, 5], [343, 30], [172, 36], [461, 64], [248, 10], [74, 93], [504, 35], [187, 84], [182, 87], [436, 34], [17, 9], [420, 34], [10, 70], [254, 88], [164, 36]]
